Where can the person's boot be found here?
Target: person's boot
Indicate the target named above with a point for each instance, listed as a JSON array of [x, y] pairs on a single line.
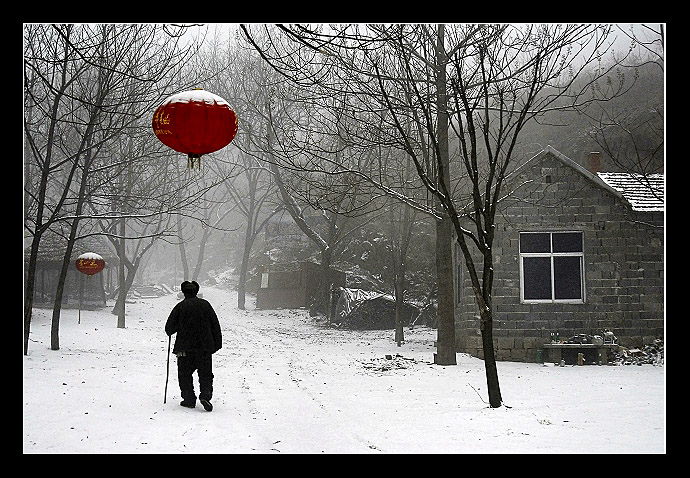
[[188, 403], [207, 404]]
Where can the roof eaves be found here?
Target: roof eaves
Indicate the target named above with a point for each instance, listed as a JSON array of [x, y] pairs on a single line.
[[569, 162], [644, 192]]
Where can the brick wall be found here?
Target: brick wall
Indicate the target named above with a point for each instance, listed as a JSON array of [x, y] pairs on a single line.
[[623, 262]]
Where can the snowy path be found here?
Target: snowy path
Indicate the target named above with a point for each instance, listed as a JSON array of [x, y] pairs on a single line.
[[285, 385]]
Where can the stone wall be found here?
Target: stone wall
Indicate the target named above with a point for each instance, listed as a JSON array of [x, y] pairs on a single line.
[[623, 267]]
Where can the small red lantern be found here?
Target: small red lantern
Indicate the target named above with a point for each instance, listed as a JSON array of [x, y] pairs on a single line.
[[195, 122], [90, 263]]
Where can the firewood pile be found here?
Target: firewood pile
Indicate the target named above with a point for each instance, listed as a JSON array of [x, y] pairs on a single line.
[[652, 354]]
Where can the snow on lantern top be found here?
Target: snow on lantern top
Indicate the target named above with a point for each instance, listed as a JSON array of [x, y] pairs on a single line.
[[90, 263], [195, 122], [196, 95]]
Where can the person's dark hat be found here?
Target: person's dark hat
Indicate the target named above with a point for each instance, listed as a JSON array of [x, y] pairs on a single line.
[[189, 288]]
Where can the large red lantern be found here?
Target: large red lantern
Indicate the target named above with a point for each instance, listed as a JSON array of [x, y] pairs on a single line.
[[90, 263], [195, 122]]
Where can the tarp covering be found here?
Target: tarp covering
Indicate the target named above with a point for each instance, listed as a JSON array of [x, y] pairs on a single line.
[[349, 299], [361, 309]]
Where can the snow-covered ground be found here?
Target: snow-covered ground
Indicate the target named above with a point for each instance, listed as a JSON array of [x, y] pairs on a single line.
[[284, 384]]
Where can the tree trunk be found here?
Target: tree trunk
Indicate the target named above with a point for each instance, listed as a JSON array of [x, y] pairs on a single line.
[[444, 269], [66, 260], [486, 327], [59, 292], [399, 288], [124, 287], [29, 290], [445, 348], [122, 293], [200, 256], [43, 186], [398, 254], [400, 267], [322, 294], [183, 252], [244, 266]]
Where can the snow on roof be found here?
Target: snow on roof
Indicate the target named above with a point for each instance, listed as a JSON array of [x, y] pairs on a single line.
[[644, 192]]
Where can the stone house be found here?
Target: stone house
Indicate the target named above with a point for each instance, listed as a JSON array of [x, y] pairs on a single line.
[[576, 251]]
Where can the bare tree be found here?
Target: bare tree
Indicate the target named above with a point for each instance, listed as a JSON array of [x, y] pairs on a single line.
[[349, 112], [242, 80], [402, 220], [95, 81], [632, 135], [216, 206], [250, 194], [500, 78], [479, 83]]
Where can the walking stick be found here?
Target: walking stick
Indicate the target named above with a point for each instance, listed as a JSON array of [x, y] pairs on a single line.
[[167, 372]]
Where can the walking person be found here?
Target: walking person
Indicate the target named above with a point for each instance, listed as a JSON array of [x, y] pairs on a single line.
[[198, 338]]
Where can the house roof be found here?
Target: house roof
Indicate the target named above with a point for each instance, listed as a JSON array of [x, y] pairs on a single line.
[[52, 247], [643, 192]]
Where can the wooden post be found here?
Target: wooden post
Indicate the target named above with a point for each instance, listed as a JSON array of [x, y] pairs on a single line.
[[81, 294]]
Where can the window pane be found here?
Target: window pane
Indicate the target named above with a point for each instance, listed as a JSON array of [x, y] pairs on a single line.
[[535, 242], [536, 272], [567, 242], [567, 277]]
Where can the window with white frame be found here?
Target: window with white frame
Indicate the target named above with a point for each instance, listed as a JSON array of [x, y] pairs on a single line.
[[552, 267]]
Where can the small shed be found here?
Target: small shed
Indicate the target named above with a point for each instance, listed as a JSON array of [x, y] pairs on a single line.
[[293, 286], [49, 263]]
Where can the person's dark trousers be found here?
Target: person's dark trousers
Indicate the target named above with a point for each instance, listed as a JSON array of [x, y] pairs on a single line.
[[186, 365]]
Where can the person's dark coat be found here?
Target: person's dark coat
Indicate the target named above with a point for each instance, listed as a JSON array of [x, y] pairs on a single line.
[[196, 325]]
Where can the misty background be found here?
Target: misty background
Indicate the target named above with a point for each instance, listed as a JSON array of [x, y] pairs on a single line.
[[95, 173]]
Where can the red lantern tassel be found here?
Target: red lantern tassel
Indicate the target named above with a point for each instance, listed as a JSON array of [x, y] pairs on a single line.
[[190, 160]]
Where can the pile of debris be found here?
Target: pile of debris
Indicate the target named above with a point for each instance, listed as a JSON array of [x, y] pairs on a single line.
[[388, 363], [606, 337], [652, 354], [149, 291], [137, 292]]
